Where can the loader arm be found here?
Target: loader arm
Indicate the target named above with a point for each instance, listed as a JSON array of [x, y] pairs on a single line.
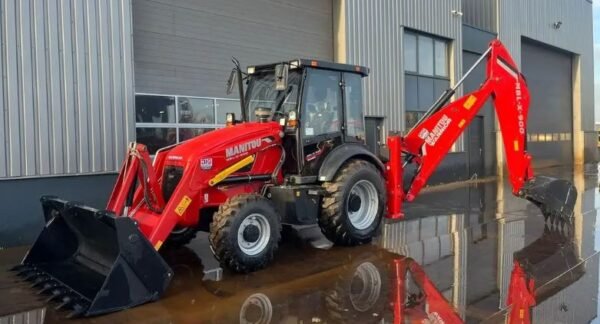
[[428, 142]]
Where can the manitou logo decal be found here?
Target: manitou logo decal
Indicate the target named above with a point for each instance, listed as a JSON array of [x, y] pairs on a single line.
[[240, 149], [438, 130]]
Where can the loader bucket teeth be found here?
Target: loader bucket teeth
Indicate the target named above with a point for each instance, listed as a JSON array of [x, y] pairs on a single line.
[[56, 295], [19, 268], [555, 197], [93, 262], [78, 310], [40, 281], [47, 288], [24, 272]]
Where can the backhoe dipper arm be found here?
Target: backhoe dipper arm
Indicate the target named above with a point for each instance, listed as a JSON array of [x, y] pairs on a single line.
[[428, 142], [431, 138]]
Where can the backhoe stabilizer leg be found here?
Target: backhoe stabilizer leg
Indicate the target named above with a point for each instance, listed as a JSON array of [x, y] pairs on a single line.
[[555, 197]]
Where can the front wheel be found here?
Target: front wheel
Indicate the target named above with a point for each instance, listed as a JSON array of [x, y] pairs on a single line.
[[245, 233], [353, 208], [181, 236]]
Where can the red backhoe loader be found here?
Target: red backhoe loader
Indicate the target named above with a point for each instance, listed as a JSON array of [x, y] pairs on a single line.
[[301, 159]]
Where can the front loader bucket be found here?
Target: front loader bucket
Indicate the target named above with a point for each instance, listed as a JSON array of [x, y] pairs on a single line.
[[92, 262], [555, 197]]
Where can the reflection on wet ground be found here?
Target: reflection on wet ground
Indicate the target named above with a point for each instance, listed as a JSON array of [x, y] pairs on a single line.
[[471, 253]]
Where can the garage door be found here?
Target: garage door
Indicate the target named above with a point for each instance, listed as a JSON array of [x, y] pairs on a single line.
[[185, 47], [548, 73]]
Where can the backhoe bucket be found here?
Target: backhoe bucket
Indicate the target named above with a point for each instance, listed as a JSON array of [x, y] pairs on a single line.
[[555, 197], [92, 262]]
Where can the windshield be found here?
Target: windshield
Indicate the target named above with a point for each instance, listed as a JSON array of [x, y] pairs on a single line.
[[261, 93]]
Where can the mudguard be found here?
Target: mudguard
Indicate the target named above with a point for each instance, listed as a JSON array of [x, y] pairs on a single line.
[[343, 153]]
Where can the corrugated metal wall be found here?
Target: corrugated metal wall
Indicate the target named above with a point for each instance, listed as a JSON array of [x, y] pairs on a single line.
[[374, 30], [66, 92], [480, 14], [185, 47], [534, 19]]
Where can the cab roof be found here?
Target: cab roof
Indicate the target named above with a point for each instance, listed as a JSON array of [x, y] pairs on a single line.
[[364, 71]]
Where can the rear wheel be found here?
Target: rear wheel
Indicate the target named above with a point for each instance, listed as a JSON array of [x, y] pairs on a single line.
[[359, 294], [245, 233], [352, 211]]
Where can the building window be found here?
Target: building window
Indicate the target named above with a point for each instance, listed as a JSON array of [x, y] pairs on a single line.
[[163, 120], [426, 73], [426, 68]]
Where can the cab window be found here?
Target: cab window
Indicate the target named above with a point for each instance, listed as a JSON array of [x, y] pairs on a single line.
[[322, 104], [355, 122]]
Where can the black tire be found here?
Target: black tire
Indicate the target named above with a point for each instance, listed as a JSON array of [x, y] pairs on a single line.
[[181, 236], [334, 218], [226, 223]]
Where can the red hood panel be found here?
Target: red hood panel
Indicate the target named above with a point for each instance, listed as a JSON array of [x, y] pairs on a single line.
[[215, 143]]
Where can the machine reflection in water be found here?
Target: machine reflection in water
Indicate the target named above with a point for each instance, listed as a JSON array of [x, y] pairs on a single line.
[[360, 285]]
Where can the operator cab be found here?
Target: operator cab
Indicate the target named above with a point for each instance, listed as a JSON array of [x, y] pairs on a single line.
[[320, 103]]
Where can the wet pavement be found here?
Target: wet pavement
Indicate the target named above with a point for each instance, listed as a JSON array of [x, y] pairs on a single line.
[[460, 255]]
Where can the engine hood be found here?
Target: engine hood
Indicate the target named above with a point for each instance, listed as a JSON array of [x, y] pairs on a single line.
[[225, 142]]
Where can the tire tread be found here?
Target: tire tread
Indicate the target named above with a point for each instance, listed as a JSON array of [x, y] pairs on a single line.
[[331, 219], [220, 227]]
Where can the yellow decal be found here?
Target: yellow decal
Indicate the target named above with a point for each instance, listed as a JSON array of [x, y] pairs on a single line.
[[225, 173], [521, 313], [462, 123], [470, 102], [183, 205], [158, 245], [516, 145]]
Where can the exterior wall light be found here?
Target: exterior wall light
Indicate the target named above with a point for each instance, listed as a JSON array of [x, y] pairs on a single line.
[[557, 24]]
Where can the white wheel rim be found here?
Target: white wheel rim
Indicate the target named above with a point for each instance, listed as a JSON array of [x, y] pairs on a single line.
[[370, 280], [264, 305], [249, 241], [362, 204]]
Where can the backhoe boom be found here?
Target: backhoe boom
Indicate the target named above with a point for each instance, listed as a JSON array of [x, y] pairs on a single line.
[[428, 142]]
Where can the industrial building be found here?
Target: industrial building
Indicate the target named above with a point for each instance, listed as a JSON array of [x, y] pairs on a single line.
[[83, 78]]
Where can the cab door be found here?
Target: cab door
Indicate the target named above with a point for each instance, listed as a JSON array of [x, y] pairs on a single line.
[[321, 118]]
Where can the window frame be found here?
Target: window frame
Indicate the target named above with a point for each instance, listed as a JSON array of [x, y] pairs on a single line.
[[459, 145], [180, 125], [435, 76], [434, 38], [311, 139], [346, 110]]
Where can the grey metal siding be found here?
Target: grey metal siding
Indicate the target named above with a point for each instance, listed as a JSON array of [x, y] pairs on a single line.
[[374, 38], [480, 13], [66, 92], [185, 47], [534, 19]]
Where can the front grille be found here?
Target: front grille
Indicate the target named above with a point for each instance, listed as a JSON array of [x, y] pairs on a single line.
[[171, 177]]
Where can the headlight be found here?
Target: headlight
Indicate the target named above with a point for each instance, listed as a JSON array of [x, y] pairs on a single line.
[[292, 119], [229, 119]]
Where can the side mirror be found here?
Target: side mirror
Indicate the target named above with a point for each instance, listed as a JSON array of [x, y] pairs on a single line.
[[231, 81], [281, 76]]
